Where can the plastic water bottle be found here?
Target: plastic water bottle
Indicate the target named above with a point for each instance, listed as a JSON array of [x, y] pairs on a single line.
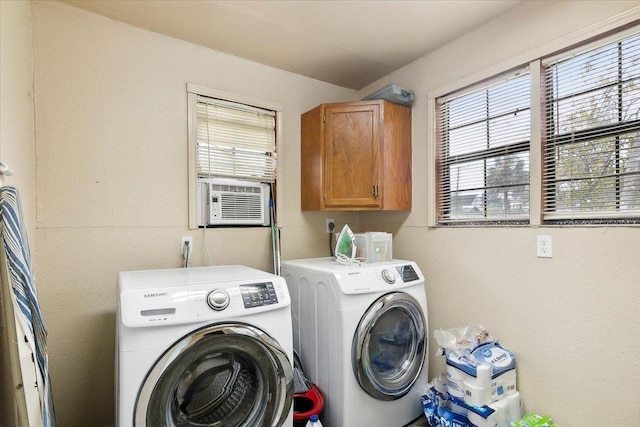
[[314, 421]]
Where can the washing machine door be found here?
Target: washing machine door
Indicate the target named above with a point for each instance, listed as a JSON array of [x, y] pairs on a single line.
[[229, 375], [389, 346]]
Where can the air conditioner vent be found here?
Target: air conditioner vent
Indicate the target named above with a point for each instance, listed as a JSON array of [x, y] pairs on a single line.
[[241, 206], [236, 188]]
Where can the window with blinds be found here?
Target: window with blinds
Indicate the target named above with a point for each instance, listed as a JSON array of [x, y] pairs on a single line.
[[483, 152], [591, 151], [232, 142], [235, 141]]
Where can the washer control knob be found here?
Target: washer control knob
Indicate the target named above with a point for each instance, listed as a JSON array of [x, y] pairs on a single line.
[[218, 299], [388, 277]]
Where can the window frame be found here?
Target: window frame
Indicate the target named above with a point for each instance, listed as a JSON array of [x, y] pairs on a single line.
[[615, 129], [600, 34], [193, 91], [489, 153]]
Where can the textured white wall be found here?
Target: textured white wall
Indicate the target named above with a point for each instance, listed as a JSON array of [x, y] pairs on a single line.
[[111, 110], [17, 142], [17, 150], [572, 320]]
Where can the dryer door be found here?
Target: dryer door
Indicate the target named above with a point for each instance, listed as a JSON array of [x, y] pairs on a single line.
[[389, 346], [228, 374]]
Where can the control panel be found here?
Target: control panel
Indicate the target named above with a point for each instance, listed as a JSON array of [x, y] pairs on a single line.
[[407, 272], [198, 302], [258, 294], [373, 277]]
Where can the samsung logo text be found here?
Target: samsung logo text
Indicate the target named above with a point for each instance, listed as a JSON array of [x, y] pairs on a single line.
[[156, 294]]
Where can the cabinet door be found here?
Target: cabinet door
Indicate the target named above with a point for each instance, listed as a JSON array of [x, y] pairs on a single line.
[[352, 150]]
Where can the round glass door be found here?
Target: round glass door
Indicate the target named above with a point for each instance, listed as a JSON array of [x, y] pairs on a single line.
[[230, 375], [389, 346]]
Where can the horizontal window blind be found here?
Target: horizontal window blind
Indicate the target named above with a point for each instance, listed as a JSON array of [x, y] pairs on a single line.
[[591, 150], [483, 151], [235, 141]]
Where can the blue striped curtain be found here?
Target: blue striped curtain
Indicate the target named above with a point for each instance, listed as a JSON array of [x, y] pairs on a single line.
[[16, 246]]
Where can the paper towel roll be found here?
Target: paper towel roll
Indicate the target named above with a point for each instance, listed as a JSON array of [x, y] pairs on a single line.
[[455, 382], [506, 411], [476, 396], [483, 378]]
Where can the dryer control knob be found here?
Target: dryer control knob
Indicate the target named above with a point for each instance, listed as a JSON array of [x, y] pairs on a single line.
[[218, 299], [388, 277]]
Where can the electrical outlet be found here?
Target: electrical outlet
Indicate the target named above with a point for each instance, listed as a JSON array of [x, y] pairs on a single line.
[[183, 249], [330, 226], [544, 246]]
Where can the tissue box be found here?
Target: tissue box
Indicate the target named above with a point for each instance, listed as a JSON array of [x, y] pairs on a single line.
[[374, 246]]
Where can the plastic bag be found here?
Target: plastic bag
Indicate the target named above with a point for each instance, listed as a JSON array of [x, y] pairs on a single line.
[[443, 410], [462, 339], [439, 409]]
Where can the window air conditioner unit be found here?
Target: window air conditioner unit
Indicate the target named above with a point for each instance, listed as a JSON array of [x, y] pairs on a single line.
[[232, 202]]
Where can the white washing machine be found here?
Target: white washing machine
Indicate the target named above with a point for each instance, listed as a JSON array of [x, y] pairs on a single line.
[[361, 332], [206, 346]]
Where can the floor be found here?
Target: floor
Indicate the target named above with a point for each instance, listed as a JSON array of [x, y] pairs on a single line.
[[421, 421]]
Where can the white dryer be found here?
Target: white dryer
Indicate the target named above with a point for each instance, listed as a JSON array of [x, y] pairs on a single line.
[[206, 346], [361, 332]]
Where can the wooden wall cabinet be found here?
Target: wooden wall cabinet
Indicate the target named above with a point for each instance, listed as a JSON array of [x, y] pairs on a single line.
[[356, 156]]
